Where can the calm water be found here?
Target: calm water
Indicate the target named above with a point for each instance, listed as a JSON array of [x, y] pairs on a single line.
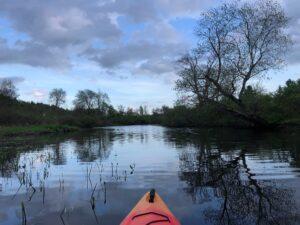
[[205, 176]]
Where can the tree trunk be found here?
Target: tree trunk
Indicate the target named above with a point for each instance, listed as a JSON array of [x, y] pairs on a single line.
[[255, 120]]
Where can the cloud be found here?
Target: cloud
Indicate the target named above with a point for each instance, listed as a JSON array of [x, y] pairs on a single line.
[[58, 23], [133, 52], [292, 8], [151, 51], [38, 94], [37, 55], [57, 30], [156, 67], [61, 31], [157, 10], [14, 79]]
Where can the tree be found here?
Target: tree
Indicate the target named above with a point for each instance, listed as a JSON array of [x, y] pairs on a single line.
[[85, 99], [121, 109], [192, 83], [8, 89], [102, 102], [142, 110], [129, 111], [236, 43], [287, 100], [57, 97], [90, 100]]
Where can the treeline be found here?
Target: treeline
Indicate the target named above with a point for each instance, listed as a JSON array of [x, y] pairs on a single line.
[[281, 108], [92, 109], [19, 113]]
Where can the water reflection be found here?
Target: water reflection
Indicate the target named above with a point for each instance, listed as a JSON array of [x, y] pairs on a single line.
[[219, 172], [205, 176], [94, 146]]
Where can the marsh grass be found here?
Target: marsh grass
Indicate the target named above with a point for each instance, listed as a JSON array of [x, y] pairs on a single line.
[[24, 217], [35, 130], [32, 173]]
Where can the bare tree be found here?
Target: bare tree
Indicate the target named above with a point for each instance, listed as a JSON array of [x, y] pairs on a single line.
[[237, 42], [57, 97], [7, 88], [192, 85], [85, 99]]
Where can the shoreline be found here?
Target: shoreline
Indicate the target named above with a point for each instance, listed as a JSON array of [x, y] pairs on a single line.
[[9, 131], [18, 131]]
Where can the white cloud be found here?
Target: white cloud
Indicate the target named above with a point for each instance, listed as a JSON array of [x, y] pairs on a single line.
[[38, 94]]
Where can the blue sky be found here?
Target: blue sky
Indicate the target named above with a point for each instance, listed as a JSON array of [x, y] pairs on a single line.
[[126, 48]]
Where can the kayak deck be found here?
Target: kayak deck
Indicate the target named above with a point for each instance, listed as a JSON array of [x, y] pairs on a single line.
[[151, 209]]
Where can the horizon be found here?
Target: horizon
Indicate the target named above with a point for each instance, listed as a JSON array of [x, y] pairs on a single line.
[[126, 48]]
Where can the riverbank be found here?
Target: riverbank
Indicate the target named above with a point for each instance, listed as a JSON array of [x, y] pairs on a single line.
[[278, 110], [16, 131], [35, 130]]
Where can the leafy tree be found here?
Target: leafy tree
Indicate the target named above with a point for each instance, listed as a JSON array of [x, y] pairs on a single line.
[[143, 110], [102, 102], [57, 97], [287, 100], [129, 111], [90, 100], [121, 109], [8, 89], [85, 99]]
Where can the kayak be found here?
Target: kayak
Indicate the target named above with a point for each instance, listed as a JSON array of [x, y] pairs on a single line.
[[151, 209]]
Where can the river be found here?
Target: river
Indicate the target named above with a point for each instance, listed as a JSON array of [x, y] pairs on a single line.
[[206, 176]]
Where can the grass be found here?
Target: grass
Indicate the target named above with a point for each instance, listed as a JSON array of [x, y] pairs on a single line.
[[35, 130]]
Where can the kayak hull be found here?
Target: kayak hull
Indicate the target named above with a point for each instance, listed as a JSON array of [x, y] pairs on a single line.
[[148, 213]]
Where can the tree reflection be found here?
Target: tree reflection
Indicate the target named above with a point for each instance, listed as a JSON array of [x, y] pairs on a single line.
[[59, 157], [89, 146], [92, 146], [9, 160], [217, 171]]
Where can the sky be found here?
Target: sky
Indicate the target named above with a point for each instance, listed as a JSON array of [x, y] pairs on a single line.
[[126, 48]]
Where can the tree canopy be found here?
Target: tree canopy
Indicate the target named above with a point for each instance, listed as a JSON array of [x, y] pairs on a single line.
[[237, 42], [57, 96], [8, 89]]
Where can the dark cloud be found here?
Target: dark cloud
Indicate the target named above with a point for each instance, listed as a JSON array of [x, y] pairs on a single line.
[[149, 50], [156, 66], [292, 8], [157, 10], [60, 23], [142, 57], [58, 30], [36, 55]]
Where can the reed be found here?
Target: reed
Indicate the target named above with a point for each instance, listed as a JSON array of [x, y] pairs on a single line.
[[24, 217]]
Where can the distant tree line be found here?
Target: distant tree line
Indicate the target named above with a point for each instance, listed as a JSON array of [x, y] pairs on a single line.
[[93, 109], [90, 109]]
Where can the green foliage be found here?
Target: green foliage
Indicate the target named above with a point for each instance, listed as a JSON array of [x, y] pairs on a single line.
[[287, 102], [204, 116], [37, 129], [281, 107], [25, 117]]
